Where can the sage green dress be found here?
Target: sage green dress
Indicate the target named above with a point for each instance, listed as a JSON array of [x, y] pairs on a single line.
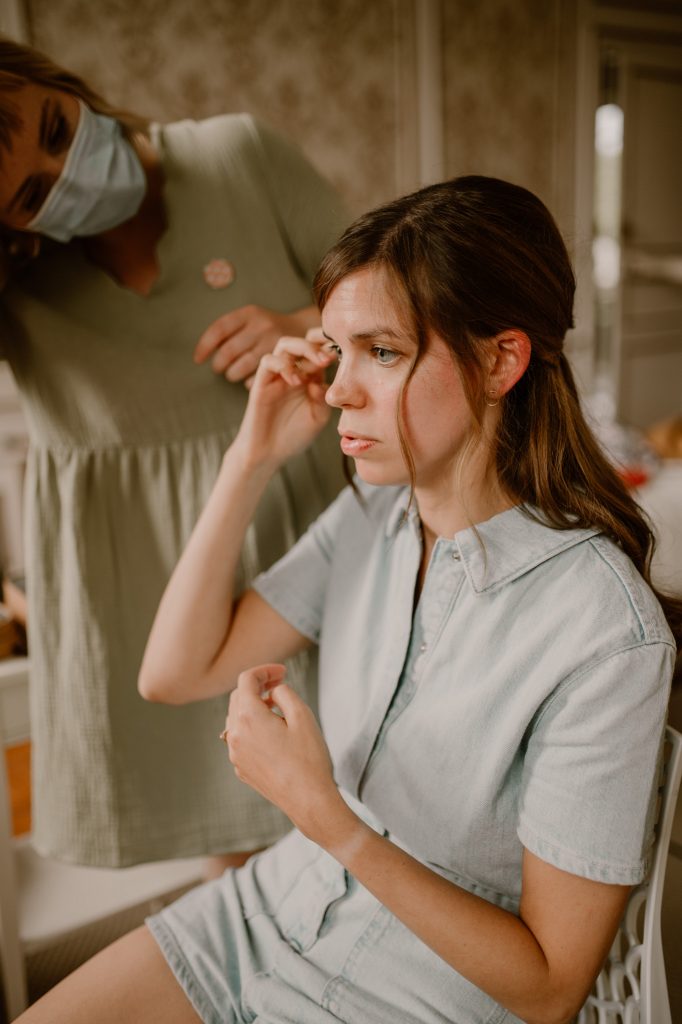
[[127, 435]]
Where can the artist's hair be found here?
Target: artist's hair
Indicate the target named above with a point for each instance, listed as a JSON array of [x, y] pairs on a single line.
[[470, 258], [19, 66]]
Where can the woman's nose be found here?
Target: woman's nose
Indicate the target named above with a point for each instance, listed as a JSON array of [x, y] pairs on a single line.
[[343, 391]]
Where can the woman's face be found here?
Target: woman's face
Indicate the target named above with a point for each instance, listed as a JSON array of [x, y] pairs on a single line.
[[49, 119], [376, 349]]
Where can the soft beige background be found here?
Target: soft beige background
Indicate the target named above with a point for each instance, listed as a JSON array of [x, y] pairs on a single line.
[[337, 75], [503, 91], [321, 72]]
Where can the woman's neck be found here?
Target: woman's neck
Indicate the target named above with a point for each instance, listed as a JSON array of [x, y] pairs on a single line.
[[445, 516], [128, 252], [473, 498]]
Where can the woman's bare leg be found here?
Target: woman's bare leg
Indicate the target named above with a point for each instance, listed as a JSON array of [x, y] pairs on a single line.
[[128, 981]]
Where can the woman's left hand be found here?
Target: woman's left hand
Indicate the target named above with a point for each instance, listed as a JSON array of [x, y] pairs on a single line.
[[239, 339], [276, 746]]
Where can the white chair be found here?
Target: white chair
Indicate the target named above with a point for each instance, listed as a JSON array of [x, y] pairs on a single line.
[[53, 916], [632, 987]]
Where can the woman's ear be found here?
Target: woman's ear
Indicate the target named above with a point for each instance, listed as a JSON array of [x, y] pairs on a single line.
[[510, 356]]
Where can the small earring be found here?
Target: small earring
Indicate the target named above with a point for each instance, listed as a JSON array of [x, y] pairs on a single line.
[[488, 396]]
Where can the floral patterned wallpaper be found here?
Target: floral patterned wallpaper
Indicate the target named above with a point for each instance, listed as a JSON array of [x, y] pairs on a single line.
[[501, 59], [321, 72], [332, 74]]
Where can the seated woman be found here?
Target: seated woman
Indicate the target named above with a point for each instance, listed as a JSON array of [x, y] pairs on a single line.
[[494, 663]]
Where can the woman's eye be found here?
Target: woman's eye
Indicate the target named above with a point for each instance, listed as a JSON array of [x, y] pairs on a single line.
[[59, 134], [385, 356], [332, 347], [33, 197]]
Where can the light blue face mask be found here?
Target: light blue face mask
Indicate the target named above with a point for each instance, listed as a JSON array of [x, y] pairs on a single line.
[[101, 185]]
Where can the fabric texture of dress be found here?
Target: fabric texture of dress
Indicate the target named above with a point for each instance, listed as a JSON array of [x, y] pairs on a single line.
[[521, 703], [127, 436]]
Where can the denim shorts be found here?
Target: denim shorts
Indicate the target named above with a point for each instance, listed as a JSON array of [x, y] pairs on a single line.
[[291, 938]]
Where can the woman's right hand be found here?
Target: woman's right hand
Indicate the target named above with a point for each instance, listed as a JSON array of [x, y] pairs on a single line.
[[286, 408]]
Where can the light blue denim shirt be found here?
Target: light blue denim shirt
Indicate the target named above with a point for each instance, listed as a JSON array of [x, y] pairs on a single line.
[[521, 703]]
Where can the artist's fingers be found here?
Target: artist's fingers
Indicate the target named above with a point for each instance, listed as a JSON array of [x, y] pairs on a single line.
[[218, 332]]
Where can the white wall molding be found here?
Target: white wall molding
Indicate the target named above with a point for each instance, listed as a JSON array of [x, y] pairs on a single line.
[[614, 19], [13, 20], [586, 81], [406, 116], [419, 91], [430, 90]]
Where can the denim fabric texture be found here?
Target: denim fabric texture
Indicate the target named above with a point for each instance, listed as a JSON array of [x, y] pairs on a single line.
[[521, 703]]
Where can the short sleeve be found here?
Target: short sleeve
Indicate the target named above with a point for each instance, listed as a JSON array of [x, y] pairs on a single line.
[[592, 764], [311, 213], [296, 585]]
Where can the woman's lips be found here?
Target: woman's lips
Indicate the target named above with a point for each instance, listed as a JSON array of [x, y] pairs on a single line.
[[355, 446]]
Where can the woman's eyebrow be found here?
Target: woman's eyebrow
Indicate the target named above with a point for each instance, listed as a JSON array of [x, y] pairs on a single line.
[[43, 133], [11, 122], [372, 335], [42, 139], [43, 136]]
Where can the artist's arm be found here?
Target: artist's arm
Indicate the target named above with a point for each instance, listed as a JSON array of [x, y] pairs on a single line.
[[201, 639], [540, 965]]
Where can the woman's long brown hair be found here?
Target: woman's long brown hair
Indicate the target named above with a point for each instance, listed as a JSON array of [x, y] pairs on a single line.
[[476, 256]]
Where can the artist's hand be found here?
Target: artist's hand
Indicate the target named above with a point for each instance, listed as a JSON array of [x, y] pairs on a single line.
[[238, 340], [286, 408], [283, 755]]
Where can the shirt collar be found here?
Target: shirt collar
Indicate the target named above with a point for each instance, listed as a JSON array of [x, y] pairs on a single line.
[[502, 548], [510, 544]]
